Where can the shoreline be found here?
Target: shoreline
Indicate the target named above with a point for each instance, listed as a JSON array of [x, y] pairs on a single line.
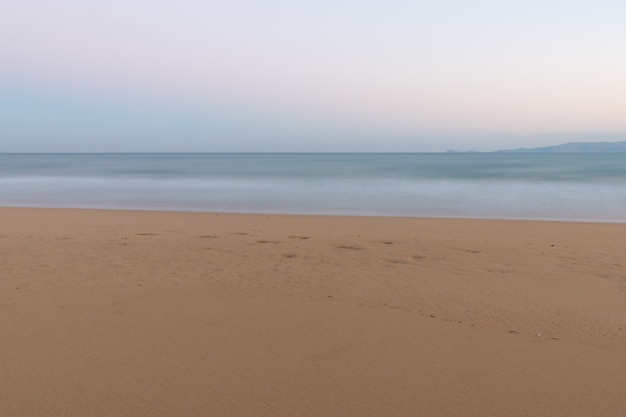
[[125, 312], [321, 215]]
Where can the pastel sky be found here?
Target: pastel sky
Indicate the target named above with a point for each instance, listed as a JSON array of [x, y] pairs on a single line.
[[289, 75]]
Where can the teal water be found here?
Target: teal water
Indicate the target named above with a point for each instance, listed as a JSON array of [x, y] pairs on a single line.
[[521, 186]]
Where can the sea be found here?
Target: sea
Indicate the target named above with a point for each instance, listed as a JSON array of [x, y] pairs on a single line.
[[568, 187]]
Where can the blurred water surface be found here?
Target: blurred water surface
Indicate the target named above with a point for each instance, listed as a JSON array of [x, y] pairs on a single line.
[[478, 185]]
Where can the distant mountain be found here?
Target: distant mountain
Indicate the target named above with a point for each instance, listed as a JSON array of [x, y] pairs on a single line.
[[575, 147]]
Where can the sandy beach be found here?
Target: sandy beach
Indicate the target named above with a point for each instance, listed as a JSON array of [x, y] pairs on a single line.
[[130, 313]]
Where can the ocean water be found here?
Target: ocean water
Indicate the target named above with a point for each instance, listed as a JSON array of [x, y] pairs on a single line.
[[588, 187]]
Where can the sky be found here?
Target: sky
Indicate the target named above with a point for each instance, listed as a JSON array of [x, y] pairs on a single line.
[[309, 76]]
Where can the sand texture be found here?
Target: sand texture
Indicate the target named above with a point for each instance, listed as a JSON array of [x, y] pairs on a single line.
[[121, 313]]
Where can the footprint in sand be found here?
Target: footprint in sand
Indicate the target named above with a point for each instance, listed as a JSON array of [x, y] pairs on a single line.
[[349, 247]]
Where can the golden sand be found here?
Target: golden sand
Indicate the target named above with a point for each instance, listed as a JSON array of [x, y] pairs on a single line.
[[122, 313]]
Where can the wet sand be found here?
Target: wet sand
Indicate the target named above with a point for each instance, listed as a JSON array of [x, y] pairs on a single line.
[[128, 313]]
